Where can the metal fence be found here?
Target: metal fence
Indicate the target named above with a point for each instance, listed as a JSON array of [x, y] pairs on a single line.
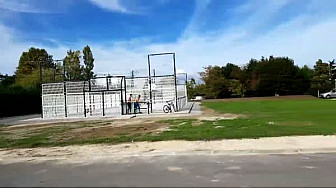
[[107, 96]]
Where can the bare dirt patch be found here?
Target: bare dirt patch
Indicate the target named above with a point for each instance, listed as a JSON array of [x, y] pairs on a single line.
[[219, 117], [212, 115], [146, 127], [82, 130]]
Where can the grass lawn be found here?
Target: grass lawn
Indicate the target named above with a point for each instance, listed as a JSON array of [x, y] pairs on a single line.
[[280, 117], [262, 118]]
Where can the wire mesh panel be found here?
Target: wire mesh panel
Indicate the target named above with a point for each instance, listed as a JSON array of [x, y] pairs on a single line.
[[75, 105], [75, 98], [98, 84], [108, 96], [106, 83], [115, 83], [138, 86], [94, 103], [182, 98], [112, 103], [163, 90], [181, 90], [76, 87], [53, 100]]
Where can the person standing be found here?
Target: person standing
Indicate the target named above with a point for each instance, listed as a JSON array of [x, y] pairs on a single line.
[[137, 104], [129, 103]]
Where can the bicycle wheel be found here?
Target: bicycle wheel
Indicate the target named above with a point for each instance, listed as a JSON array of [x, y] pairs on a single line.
[[166, 109]]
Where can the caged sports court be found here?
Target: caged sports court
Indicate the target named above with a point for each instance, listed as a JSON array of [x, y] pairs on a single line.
[[110, 95]]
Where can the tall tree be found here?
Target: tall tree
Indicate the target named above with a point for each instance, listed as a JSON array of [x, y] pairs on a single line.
[[6, 81], [251, 76], [303, 79], [276, 76], [236, 88], [216, 85], [28, 72], [73, 69], [321, 80], [88, 62], [332, 67]]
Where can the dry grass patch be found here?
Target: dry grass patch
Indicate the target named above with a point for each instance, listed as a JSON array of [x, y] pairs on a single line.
[[212, 115], [146, 127]]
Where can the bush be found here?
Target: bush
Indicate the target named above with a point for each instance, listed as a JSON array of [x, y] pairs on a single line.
[[17, 100]]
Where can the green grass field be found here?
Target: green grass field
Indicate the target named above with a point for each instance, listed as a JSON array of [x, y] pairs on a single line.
[[280, 117], [262, 118]]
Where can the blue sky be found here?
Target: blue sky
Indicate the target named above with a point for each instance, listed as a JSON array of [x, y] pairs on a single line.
[[201, 32]]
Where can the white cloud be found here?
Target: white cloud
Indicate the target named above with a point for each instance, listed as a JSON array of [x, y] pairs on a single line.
[[11, 50], [305, 38], [18, 6], [38, 6], [111, 5]]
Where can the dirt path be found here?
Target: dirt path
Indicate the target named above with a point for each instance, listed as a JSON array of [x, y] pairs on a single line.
[[89, 153]]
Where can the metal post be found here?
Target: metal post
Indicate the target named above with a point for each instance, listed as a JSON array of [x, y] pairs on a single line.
[[42, 102], [54, 72], [65, 101], [150, 84], [84, 100], [121, 97], [186, 81], [63, 70], [90, 97], [40, 63], [147, 108], [175, 82], [125, 99], [107, 84], [103, 103]]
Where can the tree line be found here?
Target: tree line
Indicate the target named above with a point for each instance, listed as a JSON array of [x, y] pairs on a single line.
[[21, 93], [37, 66], [264, 77]]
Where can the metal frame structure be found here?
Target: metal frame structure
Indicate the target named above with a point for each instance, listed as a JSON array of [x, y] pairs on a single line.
[[149, 72], [84, 98], [101, 96]]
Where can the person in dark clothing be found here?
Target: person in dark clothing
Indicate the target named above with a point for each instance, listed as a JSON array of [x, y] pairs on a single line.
[[129, 103]]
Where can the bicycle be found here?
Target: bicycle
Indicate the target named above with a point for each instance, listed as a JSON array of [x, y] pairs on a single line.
[[168, 107]]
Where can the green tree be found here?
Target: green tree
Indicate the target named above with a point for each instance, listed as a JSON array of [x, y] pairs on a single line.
[[73, 69], [251, 77], [216, 85], [332, 67], [29, 66], [237, 88], [191, 88], [276, 76], [6, 81], [88, 62], [321, 80], [303, 79]]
